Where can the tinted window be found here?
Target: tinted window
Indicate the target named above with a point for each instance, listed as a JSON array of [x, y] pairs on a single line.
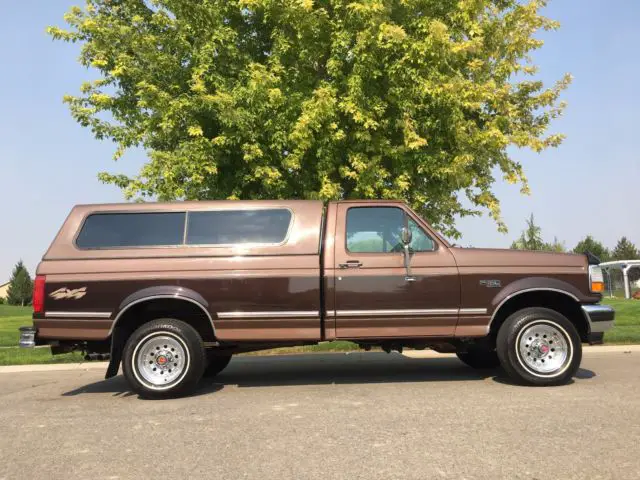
[[225, 227], [420, 241], [378, 229], [374, 229], [108, 230]]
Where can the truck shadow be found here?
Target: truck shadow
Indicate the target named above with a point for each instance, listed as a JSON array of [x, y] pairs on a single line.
[[327, 369]]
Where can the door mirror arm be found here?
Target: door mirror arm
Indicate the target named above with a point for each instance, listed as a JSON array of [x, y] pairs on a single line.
[[405, 237], [407, 263]]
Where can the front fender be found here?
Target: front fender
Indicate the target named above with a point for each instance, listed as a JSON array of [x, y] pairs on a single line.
[[531, 284]]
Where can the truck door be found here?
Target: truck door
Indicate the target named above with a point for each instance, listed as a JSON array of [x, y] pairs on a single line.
[[374, 296]]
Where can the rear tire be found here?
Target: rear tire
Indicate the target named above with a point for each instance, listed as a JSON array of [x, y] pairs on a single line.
[[480, 358], [216, 363], [164, 358], [539, 346]]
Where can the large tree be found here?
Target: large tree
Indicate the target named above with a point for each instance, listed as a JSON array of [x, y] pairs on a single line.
[[329, 99], [589, 244], [625, 250], [20, 286]]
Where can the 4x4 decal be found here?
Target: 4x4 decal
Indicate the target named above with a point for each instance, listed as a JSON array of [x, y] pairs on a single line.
[[65, 293]]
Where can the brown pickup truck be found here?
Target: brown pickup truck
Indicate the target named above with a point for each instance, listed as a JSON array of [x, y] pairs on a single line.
[[173, 290]]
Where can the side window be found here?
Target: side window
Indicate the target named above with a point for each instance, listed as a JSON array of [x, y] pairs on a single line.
[[226, 227], [420, 241], [374, 229], [118, 230], [378, 230]]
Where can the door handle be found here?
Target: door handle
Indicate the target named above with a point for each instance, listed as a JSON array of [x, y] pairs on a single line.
[[351, 264]]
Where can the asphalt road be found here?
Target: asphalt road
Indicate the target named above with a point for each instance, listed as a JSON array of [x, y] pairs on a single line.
[[333, 416]]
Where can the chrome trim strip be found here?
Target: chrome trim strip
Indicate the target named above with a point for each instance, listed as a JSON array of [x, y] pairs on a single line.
[[426, 311], [273, 314], [514, 294], [408, 312], [59, 314], [155, 297], [600, 327], [473, 311]]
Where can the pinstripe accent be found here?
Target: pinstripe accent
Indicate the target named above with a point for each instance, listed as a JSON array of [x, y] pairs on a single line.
[[274, 314], [355, 313], [407, 312], [473, 311], [77, 314]]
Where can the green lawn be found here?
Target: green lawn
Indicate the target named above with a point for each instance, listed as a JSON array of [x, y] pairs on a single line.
[[627, 330], [24, 356], [627, 326], [12, 318]]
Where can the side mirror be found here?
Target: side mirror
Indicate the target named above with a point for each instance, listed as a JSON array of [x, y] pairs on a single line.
[[405, 236]]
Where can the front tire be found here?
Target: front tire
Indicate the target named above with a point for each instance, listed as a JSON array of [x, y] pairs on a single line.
[[540, 347], [164, 358]]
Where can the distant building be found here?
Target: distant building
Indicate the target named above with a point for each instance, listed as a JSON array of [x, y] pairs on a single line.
[[4, 290]]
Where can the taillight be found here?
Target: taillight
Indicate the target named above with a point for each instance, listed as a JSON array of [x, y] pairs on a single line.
[[596, 279], [38, 294]]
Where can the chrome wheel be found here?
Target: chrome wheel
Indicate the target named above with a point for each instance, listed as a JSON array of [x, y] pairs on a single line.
[[544, 348], [160, 360]]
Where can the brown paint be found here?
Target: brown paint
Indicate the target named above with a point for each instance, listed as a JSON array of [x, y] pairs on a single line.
[[381, 284], [288, 278], [75, 329]]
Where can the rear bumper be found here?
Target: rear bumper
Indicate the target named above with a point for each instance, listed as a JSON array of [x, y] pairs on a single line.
[[30, 338], [27, 337]]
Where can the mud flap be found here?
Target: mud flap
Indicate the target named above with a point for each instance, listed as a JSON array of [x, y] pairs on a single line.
[[117, 345]]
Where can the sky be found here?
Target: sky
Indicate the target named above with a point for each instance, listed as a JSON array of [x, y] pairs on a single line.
[[588, 185]]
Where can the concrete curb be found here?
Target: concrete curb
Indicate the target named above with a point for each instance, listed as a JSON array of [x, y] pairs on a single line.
[[587, 350], [54, 367]]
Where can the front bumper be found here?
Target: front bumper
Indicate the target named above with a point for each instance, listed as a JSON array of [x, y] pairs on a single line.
[[600, 319]]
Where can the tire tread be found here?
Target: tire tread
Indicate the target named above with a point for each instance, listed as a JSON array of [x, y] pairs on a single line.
[[197, 353], [507, 335]]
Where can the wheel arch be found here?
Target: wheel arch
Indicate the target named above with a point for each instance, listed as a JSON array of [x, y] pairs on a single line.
[[156, 302], [560, 300]]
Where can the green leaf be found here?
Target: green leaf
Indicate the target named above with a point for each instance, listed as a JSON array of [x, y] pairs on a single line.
[[323, 99]]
